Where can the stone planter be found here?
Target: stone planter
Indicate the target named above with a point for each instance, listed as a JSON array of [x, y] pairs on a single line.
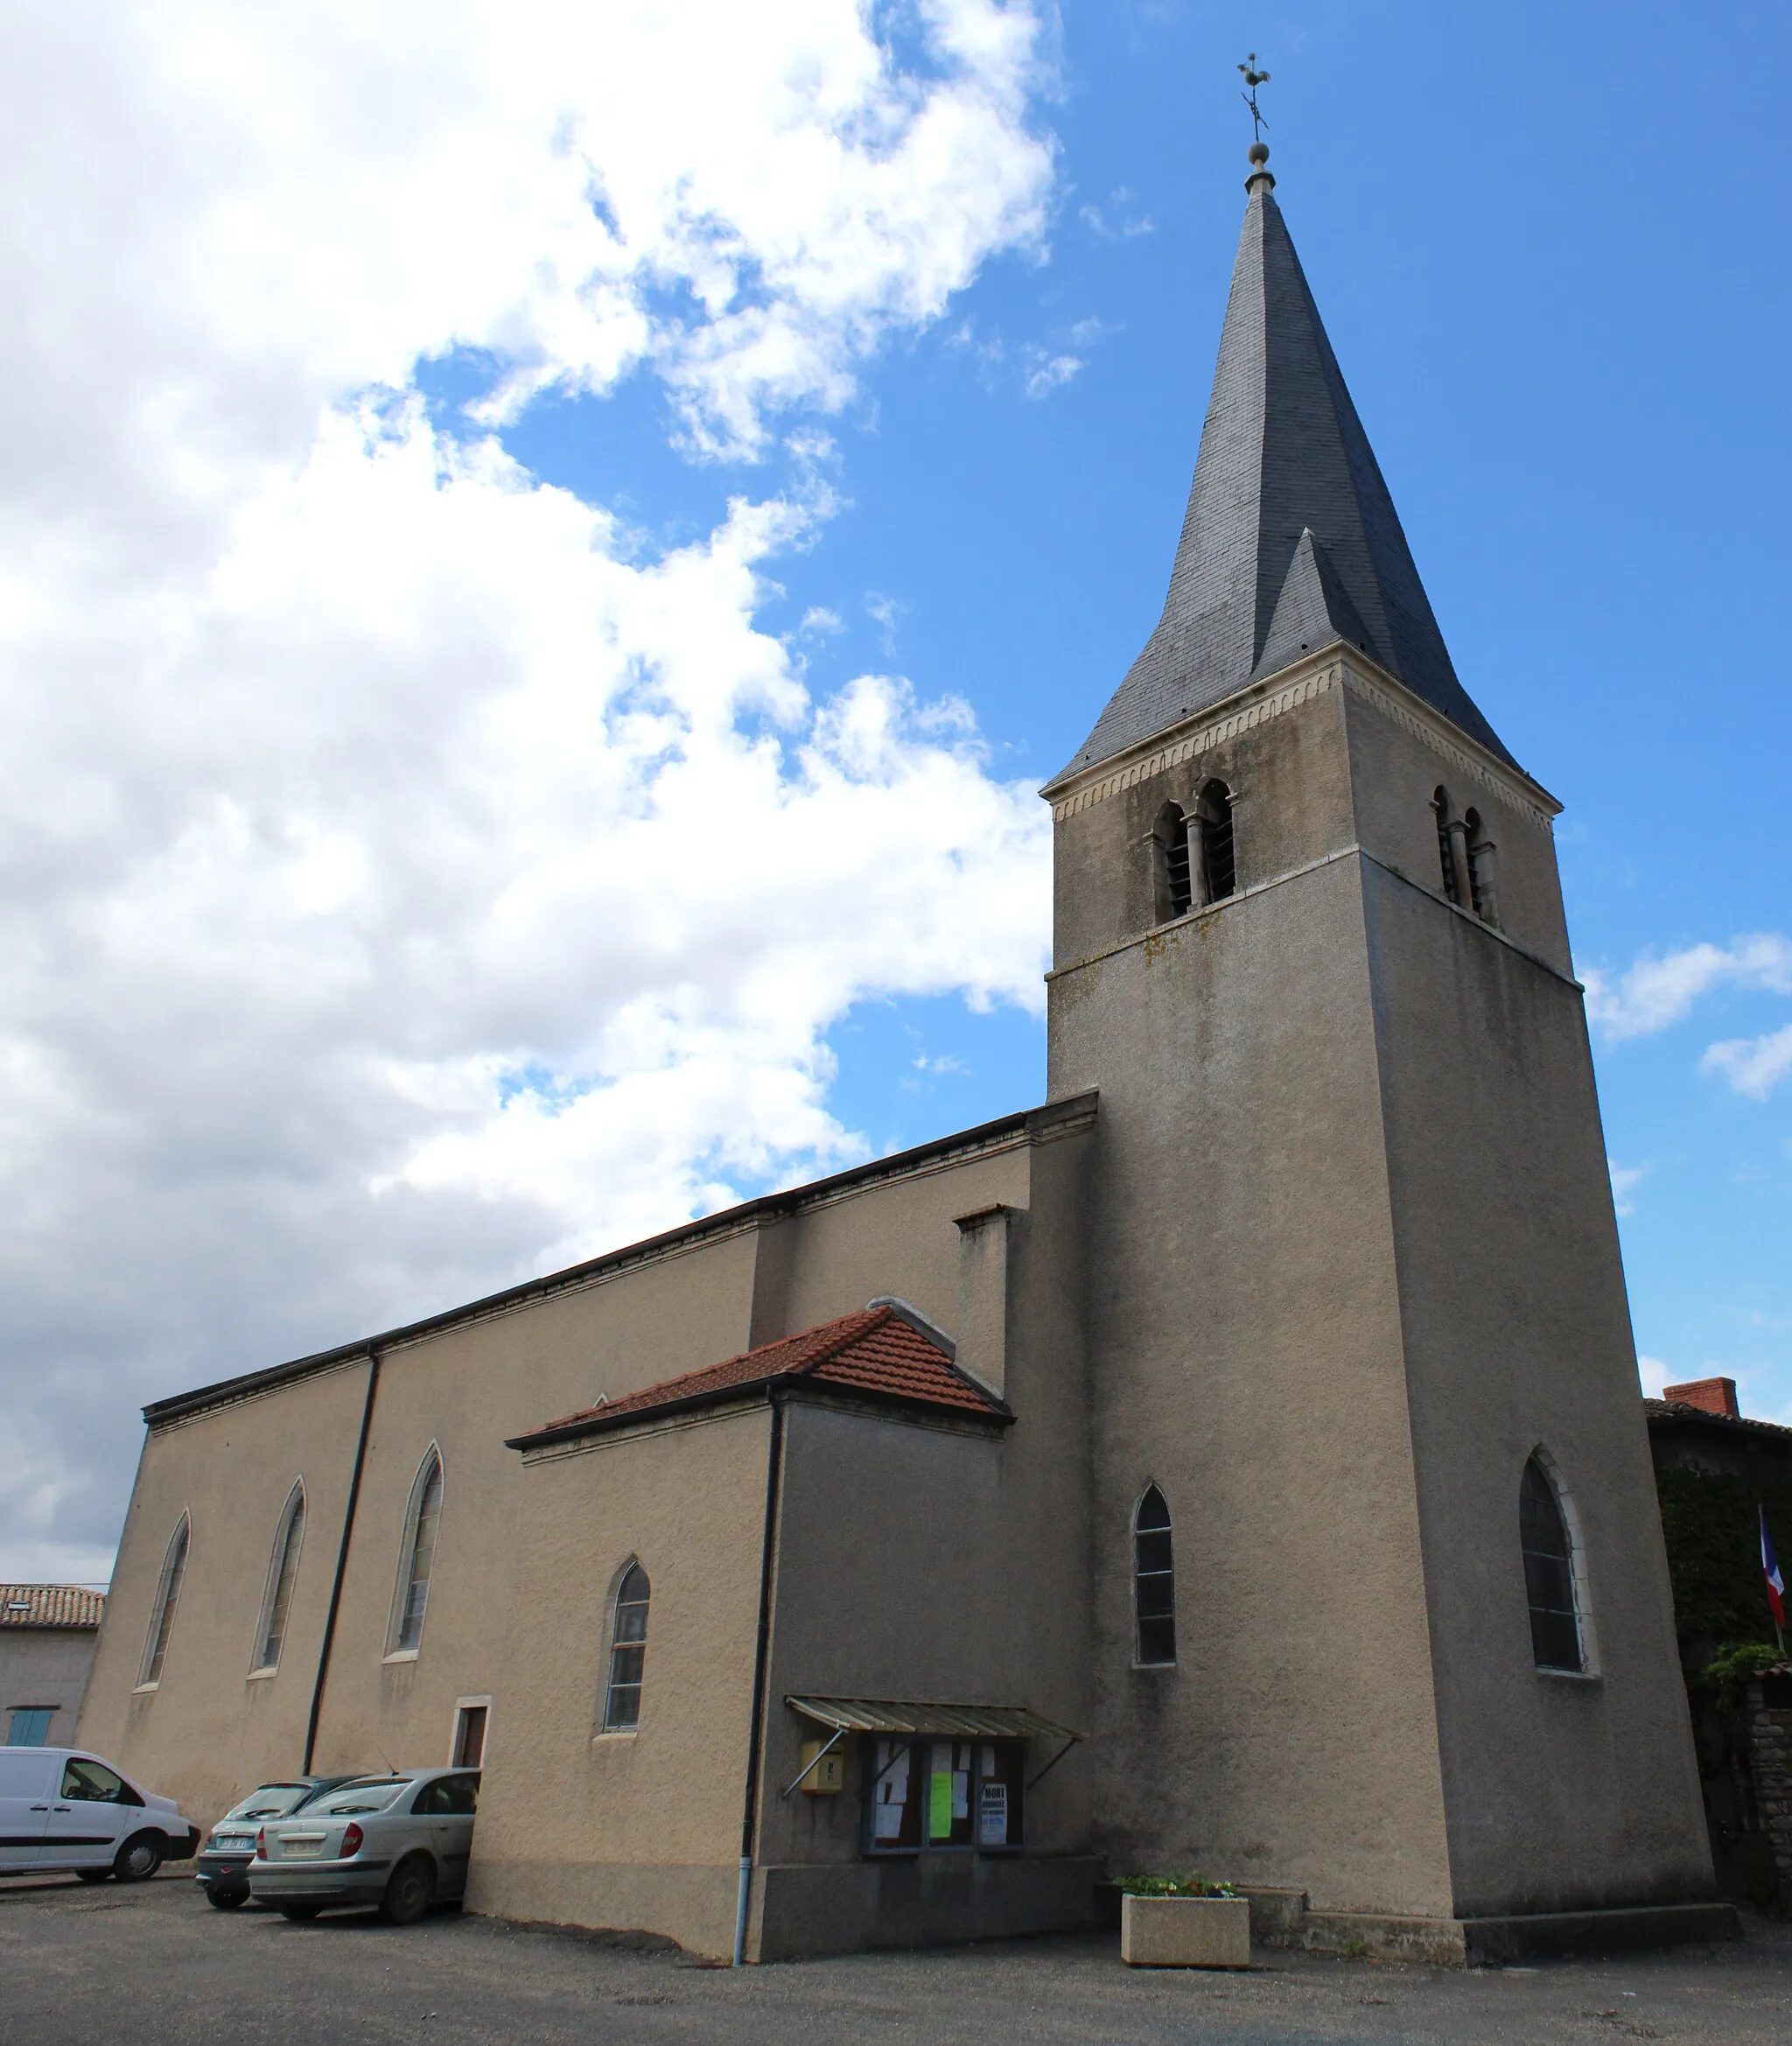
[[1185, 1932]]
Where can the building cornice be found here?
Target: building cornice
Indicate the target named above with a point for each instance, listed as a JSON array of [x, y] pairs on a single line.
[[1334, 667]]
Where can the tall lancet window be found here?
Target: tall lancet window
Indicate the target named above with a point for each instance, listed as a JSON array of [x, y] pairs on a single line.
[[1219, 863], [628, 1651], [1548, 1572], [1153, 1582], [1170, 863], [283, 1574], [417, 1556], [167, 1600]]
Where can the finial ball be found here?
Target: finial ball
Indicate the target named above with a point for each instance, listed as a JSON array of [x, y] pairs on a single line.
[[1259, 152]]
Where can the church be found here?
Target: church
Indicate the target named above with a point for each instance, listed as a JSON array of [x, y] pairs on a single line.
[[1235, 1463]]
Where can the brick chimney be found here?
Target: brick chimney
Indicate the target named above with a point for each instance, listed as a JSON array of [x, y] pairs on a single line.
[[1714, 1395]]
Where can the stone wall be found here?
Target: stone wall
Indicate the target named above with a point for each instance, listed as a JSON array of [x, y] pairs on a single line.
[[1770, 1762]]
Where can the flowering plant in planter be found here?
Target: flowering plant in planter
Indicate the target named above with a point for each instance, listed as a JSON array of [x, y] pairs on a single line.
[[1172, 1886]]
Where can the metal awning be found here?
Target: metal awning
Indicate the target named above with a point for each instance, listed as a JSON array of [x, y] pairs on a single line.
[[974, 1722]]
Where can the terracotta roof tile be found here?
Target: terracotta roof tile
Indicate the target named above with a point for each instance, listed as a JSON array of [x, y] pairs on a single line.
[[1682, 1410], [50, 1605], [876, 1351]]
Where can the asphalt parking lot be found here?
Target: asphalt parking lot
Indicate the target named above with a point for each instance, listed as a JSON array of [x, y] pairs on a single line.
[[155, 1962]]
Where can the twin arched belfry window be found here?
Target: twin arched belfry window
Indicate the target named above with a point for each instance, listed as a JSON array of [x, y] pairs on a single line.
[[1192, 853], [1465, 858]]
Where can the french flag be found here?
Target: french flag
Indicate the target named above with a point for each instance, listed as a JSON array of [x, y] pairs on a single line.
[[1770, 1570]]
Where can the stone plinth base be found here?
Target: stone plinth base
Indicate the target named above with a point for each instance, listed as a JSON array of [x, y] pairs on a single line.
[[1281, 1917]]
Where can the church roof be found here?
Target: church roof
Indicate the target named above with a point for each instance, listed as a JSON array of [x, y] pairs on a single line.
[[878, 1352], [1290, 540]]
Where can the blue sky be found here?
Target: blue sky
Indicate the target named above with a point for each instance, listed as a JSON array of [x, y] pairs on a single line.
[[480, 664], [1550, 248]]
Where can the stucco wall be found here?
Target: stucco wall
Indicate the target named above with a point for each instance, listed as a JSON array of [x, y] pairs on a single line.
[[46, 1666], [1561, 1792], [1245, 1355], [208, 1734], [637, 1830]]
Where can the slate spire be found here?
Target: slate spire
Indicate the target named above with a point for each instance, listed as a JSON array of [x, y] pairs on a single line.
[[1290, 540]]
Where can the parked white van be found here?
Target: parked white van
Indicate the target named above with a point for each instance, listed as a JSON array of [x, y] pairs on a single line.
[[62, 1808]]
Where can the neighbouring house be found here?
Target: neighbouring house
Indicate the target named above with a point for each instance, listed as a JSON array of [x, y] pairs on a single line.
[[48, 1633], [1718, 1473], [1234, 1462]]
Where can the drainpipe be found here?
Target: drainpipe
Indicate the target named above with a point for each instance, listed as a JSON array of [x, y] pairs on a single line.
[[360, 1458], [749, 1816]]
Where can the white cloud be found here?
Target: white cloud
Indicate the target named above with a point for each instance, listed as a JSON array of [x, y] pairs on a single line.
[[1654, 1375], [1625, 1179], [1656, 993], [407, 877], [1048, 372], [1754, 1066]]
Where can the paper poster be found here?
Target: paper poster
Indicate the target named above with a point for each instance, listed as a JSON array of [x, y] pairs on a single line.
[[887, 1822], [992, 1816], [939, 1805], [960, 1793]]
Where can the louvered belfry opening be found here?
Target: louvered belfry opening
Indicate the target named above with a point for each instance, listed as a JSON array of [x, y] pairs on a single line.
[[1446, 852], [1172, 840], [1216, 846]]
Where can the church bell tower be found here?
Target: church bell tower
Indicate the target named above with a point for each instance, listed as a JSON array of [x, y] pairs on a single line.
[[1382, 1612]]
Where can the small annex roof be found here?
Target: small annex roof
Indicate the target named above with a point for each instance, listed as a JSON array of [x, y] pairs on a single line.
[[1724, 1424], [51, 1605], [962, 1723], [877, 1353]]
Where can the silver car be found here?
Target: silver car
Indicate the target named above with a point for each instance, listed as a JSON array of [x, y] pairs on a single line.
[[399, 1842]]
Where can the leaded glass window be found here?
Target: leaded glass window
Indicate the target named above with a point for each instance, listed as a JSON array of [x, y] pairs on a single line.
[[1548, 1572]]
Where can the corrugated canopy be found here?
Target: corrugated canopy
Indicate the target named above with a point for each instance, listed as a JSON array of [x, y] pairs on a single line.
[[885, 1715]]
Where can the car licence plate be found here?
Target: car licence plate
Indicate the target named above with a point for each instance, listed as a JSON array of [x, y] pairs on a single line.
[[300, 1850]]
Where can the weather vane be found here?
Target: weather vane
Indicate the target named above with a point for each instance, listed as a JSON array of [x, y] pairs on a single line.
[[1253, 78]]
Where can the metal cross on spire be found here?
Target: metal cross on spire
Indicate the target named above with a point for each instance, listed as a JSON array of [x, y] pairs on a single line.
[[1253, 79]]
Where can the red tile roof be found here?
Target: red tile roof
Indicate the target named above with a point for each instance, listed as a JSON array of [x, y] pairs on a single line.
[[50, 1605], [876, 1351]]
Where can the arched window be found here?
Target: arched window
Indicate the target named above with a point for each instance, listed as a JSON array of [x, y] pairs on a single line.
[[1153, 1582], [1449, 860], [282, 1574], [416, 1558], [1219, 867], [1548, 1572], [628, 1649], [1478, 852], [1170, 863], [167, 1598]]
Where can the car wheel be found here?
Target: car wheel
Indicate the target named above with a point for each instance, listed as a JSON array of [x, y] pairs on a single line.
[[410, 1891], [139, 1858], [93, 1874], [226, 1900], [302, 1912]]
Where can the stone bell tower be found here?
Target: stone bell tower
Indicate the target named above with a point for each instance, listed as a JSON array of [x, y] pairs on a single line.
[[1354, 1270]]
